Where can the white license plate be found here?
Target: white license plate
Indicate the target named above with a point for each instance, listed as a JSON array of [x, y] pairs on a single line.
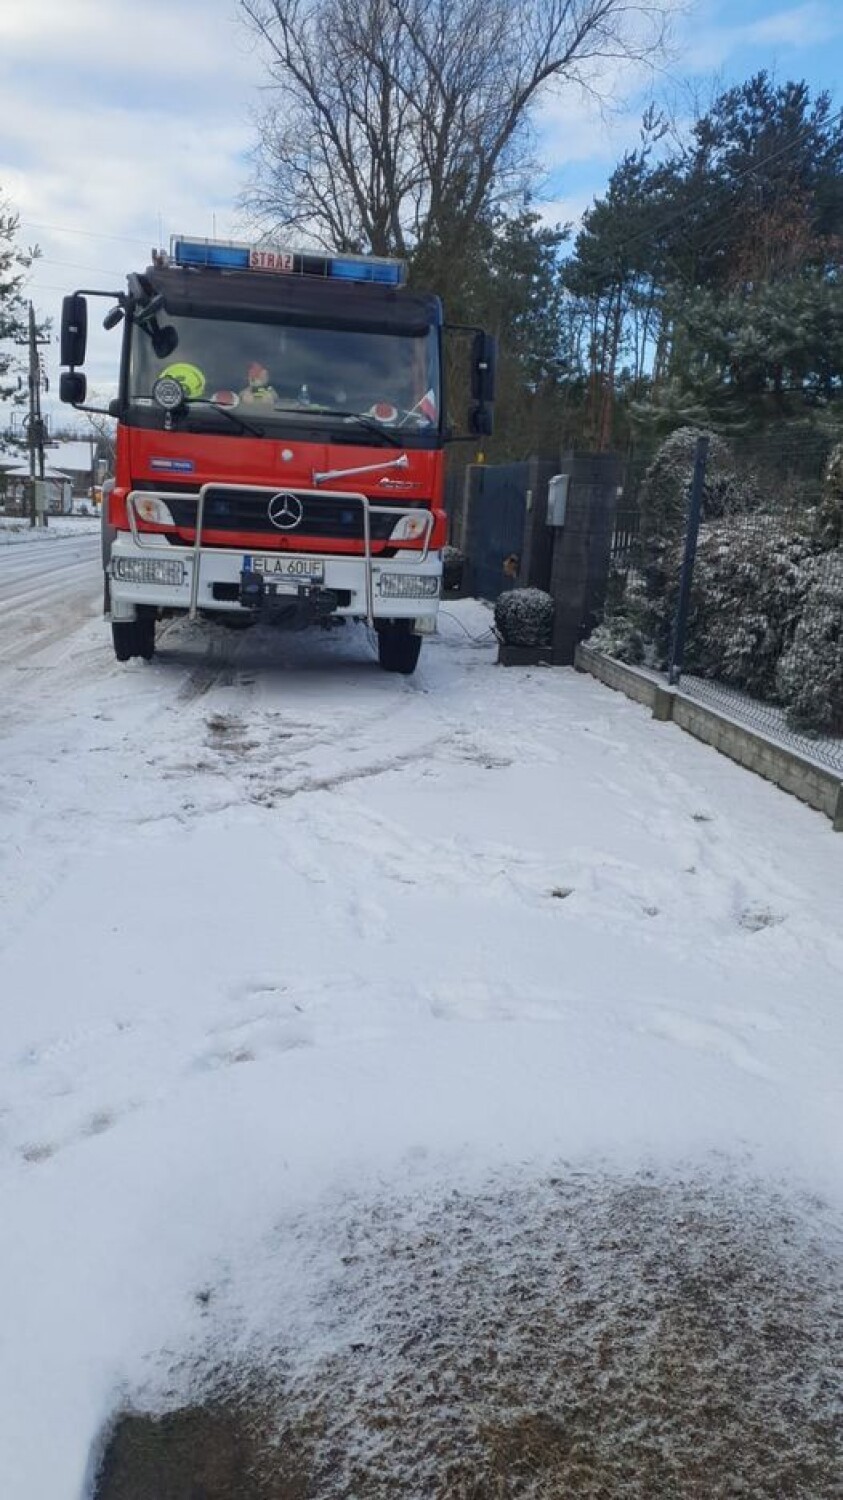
[[288, 569]]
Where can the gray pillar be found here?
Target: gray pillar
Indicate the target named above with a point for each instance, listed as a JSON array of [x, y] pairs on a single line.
[[582, 548], [537, 551]]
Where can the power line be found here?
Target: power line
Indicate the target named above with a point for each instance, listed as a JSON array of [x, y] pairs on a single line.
[[48, 286], [87, 233], [73, 265]]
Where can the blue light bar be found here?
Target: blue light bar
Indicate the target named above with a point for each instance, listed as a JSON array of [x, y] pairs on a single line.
[[209, 253], [388, 273], [229, 255]]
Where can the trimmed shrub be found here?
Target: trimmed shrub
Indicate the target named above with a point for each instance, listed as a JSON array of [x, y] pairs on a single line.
[[767, 594], [809, 678], [524, 617], [829, 516], [618, 637], [748, 594], [666, 486]]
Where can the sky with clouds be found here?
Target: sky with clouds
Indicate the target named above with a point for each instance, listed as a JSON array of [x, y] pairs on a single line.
[[123, 122]]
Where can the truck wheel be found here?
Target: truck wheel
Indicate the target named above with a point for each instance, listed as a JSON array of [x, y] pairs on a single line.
[[145, 628], [133, 638], [124, 636], [398, 648]]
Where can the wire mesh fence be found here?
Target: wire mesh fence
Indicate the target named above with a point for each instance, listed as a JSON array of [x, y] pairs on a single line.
[[768, 719], [761, 633]]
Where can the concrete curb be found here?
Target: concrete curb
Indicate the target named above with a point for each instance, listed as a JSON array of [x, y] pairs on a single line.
[[821, 789]]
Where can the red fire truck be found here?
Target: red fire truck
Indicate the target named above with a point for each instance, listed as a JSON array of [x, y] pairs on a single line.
[[280, 442]]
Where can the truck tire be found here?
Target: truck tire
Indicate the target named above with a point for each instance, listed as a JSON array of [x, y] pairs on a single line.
[[134, 638], [398, 647], [124, 636], [145, 627]]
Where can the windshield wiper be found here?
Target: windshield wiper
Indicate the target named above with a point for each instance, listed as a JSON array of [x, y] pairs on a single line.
[[360, 417], [227, 412]]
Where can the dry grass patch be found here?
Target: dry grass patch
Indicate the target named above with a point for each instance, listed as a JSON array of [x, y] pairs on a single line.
[[584, 1336]]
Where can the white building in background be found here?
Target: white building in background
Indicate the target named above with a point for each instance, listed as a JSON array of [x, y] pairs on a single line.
[[14, 490], [70, 474], [75, 459]]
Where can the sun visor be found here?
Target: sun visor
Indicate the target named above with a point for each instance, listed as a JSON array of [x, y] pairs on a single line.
[[295, 301]]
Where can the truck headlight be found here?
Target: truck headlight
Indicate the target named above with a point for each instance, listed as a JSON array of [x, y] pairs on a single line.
[[165, 570], [408, 586], [411, 528], [168, 392], [150, 508]]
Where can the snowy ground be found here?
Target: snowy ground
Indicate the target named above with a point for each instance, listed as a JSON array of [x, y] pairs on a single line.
[[17, 529], [323, 989]]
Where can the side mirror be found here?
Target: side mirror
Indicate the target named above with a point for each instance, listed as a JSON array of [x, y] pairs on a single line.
[[73, 386], [481, 421], [114, 316], [484, 360], [74, 330]]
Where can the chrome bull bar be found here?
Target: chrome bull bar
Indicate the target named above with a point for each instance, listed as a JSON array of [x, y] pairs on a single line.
[[196, 549]]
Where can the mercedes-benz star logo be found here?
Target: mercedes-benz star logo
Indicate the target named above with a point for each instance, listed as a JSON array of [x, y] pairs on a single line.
[[285, 511]]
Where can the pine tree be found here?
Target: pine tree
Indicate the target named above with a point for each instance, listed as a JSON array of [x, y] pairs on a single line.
[[14, 263]]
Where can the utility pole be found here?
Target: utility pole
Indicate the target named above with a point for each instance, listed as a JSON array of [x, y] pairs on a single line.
[[35, 423]]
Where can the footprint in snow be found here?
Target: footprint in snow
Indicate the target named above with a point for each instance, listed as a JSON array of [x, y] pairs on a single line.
[[475, 1000], [706, 1036], [252, 1041], [756, 918], [51, 1049], [38, 1151], [97, 1124], [259, 986]]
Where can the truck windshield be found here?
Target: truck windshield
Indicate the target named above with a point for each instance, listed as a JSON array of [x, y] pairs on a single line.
[[272, 375]]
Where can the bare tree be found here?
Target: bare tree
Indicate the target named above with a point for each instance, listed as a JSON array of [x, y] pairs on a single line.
[[104, 430], [393, 126]]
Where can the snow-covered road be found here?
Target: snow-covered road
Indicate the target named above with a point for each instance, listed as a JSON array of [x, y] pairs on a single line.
[[48, 586], [280, 931]]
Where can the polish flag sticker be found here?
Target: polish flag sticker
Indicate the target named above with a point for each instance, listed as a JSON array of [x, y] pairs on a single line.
[[427, 406]]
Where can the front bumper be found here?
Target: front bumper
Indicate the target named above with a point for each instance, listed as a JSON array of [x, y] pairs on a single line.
[[145, 569], [365, 590]]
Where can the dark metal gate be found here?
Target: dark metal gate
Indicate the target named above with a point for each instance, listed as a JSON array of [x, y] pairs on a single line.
[[496, 521]]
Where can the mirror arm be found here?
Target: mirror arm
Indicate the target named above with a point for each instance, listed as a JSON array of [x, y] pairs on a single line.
[[87, 291]]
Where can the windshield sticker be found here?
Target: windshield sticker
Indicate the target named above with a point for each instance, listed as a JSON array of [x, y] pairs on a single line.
[[173, 465]]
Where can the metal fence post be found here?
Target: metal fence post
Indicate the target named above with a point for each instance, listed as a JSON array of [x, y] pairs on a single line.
[[677, 651]]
